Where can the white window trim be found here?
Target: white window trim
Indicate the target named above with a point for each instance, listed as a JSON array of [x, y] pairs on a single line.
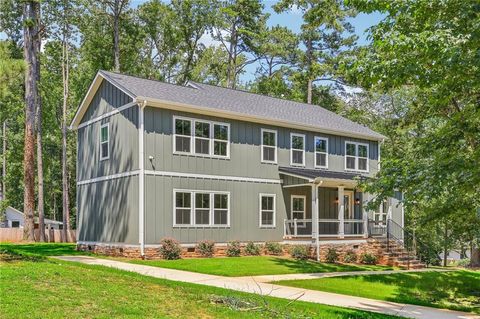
[[192, 138], [291, 149], [107, 125], [274, 225], [357, 157], [276, 146], [315, 151], [292, 197], [192, 209]]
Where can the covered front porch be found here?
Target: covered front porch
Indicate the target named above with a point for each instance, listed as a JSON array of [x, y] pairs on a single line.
[[322, 204]]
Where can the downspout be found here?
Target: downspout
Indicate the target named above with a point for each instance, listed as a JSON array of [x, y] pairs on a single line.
[[141, 177]]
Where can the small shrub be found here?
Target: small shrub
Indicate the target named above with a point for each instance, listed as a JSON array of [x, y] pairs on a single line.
[[170, 248], [332, 256], [273, 248], [299, 252], [350, 257], [368, 259], [465, 262], [206, 248], [252, 249], [233, 249]]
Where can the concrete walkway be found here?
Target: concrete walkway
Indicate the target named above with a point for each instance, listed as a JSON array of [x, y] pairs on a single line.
[[273, 278], [250, 285]]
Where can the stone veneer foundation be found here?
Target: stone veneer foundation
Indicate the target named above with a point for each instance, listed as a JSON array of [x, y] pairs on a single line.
[[152, 252]]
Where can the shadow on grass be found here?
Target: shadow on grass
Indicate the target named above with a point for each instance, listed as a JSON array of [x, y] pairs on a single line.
[[457, 290], [307, 266], [38, 251]]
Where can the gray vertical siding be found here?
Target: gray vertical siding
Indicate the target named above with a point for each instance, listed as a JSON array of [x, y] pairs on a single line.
[[107, 99], [108, 211], [245, 150], [244, 211]]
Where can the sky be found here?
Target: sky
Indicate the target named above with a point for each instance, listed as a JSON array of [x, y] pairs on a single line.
[[293, 21]]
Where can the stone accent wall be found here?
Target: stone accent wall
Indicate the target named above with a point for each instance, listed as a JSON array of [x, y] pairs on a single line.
[[220, 250]]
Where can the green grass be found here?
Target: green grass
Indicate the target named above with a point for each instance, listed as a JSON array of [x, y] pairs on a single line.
[[39, 250], [253, 266], [37, 287], [457, 290]]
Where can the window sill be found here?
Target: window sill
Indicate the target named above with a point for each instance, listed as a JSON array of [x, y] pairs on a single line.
[[201, 226], [355, 171], [267, 227], [268, 162]]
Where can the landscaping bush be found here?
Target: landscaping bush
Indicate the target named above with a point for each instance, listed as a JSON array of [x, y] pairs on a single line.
[[273, 248], [368, 259], [350, 257], [233, 249], [332, 256], [170, 248], [465, 262], [299, 252], [252, 249], [206, 248]]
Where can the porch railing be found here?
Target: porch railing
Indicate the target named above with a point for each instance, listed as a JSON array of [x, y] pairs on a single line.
[[326, 228]]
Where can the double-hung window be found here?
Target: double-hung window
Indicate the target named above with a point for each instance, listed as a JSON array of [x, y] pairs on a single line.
[[201, 137], [298, 206], [269, 146], [183, 135], [297, 149], [201, 208], [356, 156], [104, 141], [321, 152], [267, 210]]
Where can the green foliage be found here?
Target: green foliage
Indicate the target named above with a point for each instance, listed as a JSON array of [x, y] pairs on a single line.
[[299, 252], [170, 249], [252, 249], [273, 248], [350, 257], [206, 248], [464, 262], [233, 249], [331, 256], [368, 259]]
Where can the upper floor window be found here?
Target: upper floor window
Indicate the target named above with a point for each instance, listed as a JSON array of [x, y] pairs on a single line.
[[356, 156], [297, 149], [104, 141], [201, 208], [269, 146], [267, 210], [321, 152], [201, 137]]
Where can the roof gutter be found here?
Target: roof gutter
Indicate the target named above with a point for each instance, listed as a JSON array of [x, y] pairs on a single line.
[[161, 103]]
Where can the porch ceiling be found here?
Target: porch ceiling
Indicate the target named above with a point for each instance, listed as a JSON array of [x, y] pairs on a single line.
[[328, 178]]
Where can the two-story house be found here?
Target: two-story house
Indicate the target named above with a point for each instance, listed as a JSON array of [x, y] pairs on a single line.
[[201, 162]]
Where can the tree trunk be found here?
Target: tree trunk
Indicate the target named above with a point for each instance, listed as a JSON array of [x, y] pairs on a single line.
[[232, 57], [30, 30], [40, 206], [116, 36], [65, 78], [475, 256], [445, 245], [309, 55]]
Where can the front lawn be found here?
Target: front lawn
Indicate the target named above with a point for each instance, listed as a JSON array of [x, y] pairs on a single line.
[[457, 290], [254, 266], [32, 286]]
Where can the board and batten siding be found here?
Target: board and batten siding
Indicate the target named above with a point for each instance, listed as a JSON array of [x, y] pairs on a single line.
[[244, 211], [108, 211], [245, 149]]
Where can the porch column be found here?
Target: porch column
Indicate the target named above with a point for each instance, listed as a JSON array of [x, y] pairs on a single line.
[[341, 210], [366, 200], [315, 228]]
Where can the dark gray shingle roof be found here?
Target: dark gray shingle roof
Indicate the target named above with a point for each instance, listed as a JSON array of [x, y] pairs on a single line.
[[250, 104]]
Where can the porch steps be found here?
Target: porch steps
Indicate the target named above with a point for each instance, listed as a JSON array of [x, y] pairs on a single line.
[[396, 255]]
